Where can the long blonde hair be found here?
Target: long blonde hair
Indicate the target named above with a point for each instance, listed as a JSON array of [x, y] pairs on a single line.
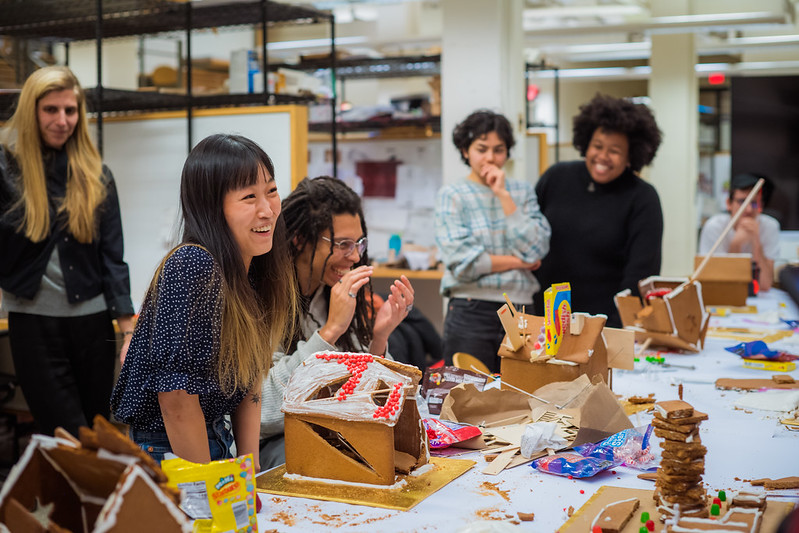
[[85, 189]]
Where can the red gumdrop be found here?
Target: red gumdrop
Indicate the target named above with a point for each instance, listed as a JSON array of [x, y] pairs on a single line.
[[650, 525]]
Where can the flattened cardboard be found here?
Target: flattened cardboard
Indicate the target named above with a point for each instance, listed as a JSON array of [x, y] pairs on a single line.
[[583, 353], [677, 320], [725, 279]]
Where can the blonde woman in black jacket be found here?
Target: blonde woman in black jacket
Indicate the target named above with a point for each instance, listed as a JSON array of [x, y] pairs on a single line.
[[63, 276]]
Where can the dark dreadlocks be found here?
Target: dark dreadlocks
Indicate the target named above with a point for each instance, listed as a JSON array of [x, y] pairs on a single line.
[[308, 211]]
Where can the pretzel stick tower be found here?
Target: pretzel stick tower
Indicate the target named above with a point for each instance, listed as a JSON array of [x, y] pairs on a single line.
[[679, 487]]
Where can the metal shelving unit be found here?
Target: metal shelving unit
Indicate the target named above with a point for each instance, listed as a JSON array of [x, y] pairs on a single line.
[[64, 21], [377, 68]]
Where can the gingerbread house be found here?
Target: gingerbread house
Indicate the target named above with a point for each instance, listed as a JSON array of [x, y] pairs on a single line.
[[671, 312], [352, 417], [587, 347], [100, 484]]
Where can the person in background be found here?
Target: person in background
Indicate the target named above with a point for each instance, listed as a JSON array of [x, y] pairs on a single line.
[[607, 224], [491, 236], [62, 271], [754, 233], [217, 307], [328, 243]]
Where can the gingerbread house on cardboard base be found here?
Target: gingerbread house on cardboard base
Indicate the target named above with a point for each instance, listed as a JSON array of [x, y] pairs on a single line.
[[352, 417]]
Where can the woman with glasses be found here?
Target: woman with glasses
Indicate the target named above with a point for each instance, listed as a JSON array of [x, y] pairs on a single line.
[[327, 233]]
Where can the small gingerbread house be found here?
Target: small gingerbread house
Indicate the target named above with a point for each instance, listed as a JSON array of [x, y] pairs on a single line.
[[670, 312], [353, 417], [100, 484], [587, 347]]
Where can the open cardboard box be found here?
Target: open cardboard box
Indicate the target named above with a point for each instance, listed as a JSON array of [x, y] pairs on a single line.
[[588, 347], [91, 485], [346, 439], [725, 279], [676, 320]]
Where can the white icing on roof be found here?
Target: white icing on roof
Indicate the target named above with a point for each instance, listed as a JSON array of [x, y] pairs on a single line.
[[361, 375]]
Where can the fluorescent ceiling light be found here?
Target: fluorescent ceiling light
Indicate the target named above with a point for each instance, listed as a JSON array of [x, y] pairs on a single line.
[[584, 11], [681, 23], [643, 72], [310, 43]]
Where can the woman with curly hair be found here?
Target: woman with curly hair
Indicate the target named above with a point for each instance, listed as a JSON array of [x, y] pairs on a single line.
[[491, 236], [328, 243], [607, 225]]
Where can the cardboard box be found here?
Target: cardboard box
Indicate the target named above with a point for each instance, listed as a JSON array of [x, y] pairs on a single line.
[[342, 432], [584, 350], [676, 320], [725, 279]]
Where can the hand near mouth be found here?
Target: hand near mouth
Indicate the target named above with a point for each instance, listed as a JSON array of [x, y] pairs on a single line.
[[494, 177], [342, 306]]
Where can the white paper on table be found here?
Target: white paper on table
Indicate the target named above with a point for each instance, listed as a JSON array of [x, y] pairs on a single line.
[[769, 400]]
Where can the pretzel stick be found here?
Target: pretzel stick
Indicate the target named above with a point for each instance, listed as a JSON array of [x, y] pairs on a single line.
[[360, 394], [730, 224]]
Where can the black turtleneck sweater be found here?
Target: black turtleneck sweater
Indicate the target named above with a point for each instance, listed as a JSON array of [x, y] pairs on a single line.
[[605, 237]]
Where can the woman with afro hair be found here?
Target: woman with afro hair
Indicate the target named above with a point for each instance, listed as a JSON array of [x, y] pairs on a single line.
[[607, 224]]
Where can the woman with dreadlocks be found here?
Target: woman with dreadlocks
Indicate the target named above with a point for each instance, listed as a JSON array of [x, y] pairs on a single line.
[[327, 236]]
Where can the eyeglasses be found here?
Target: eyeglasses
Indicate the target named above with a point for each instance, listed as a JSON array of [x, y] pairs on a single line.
[[346, 246], [739, 201]]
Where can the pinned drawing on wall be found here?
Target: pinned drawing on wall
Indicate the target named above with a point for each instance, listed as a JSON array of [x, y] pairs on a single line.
[[557, 315]]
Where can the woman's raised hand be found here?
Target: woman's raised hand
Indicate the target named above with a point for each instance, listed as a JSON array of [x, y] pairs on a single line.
[[394, 310], [342, 302]]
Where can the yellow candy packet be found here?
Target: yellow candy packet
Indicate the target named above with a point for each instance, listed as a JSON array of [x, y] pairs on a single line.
[[219, 495]]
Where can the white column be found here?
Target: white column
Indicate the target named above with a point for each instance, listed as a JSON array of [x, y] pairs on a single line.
[[482, 66], [674, 93]]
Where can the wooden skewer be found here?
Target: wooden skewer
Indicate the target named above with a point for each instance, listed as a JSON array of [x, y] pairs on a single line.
[[730, 224], [360, 394], [644, 346], [510, 305], [512, 387]]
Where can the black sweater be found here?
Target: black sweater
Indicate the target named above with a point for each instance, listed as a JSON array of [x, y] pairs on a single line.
[[605, 237]]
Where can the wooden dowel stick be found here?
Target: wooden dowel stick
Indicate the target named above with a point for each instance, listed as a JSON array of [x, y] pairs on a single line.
[[644, 346], [512, 387], [730, 224], [360, 394]]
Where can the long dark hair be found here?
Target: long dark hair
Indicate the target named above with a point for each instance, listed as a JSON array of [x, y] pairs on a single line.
[[258, 307], [308, 211]]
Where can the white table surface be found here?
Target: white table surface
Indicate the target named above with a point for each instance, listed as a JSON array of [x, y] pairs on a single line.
[[741, 445]]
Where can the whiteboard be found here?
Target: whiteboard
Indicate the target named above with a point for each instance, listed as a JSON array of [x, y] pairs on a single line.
[[146, 156]]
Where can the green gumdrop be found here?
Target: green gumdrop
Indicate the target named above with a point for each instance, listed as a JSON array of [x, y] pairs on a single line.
[[714, 509], [643, 529], [722, 496], [644, 517]]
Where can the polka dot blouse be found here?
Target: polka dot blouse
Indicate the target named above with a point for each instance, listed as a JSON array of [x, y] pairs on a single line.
[[175, 344]]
